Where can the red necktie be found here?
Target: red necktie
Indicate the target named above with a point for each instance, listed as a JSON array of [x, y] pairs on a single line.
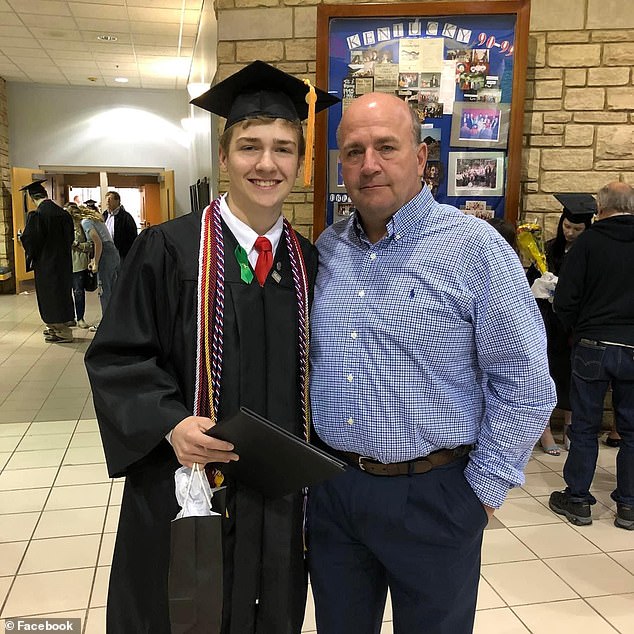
[[265, 259]]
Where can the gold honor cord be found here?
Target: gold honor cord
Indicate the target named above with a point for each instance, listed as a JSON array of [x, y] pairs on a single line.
[[311, 100]]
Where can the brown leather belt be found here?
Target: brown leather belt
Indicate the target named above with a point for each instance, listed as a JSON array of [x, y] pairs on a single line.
[[409, 467]]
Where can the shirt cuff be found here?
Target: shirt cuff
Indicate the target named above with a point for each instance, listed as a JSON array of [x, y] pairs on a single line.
[[168, 436], [490, 490]]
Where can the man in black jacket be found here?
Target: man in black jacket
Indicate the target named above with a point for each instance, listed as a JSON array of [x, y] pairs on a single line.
[[120, 224], [595, 298]]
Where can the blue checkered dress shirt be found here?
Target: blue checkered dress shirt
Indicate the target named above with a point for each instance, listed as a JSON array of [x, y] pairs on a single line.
[[429, 339]]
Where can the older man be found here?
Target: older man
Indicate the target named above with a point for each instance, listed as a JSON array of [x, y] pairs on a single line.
[[429, 378], [120, 224], [595, 298]]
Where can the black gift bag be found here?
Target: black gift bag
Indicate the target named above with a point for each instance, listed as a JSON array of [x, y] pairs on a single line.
[[90, 281], [195, 587]]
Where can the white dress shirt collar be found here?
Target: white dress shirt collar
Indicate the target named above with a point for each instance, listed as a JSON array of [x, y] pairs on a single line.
[[246, 236]]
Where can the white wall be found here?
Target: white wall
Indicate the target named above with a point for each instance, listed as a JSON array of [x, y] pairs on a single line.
[[101, 127]]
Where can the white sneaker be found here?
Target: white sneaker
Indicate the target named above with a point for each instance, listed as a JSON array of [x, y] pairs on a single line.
[[81, 323], [92, 329]]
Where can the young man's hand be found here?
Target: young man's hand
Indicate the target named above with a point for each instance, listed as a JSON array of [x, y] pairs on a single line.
[[191, 445]]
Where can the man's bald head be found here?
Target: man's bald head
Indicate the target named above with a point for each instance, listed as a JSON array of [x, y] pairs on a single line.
[[615, 198], [375, 100]]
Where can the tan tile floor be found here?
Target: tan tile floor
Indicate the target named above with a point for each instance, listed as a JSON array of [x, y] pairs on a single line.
[[58, 511]]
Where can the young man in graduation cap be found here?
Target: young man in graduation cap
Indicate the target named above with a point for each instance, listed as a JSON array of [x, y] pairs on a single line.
[[47, 240], [215, 306]]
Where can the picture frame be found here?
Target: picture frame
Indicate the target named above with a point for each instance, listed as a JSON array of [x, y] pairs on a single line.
[[474, 174], [488, 39], [480, 124]]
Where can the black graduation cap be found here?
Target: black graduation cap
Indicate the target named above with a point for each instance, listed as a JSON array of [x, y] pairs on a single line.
[[260, 89], [35, 187], [578, 207], [90, 201]]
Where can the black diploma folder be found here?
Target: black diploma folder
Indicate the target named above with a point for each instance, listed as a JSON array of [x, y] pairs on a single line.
[[272, 460]]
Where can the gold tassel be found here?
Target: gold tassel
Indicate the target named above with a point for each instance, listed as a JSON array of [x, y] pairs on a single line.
[[311, 100]]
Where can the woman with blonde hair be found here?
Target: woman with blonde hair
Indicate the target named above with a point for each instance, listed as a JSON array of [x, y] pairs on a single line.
[[81, 249], [105, 261]]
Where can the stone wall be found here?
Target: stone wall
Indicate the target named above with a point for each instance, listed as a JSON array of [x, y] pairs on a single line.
[[578, 128], [6, 216], [578, 122]]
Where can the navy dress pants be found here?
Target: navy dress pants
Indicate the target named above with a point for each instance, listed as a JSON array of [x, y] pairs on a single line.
[[419, 535]]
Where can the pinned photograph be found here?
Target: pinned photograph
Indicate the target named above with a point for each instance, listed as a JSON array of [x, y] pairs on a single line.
[[480, 125], [429, 80], [408, 80], [432, 176], [433, 110], [431, 138], [476, 174], [490, 95], [459, 54]]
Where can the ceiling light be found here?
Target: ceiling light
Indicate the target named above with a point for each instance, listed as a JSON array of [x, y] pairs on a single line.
[[121, 80], [107, 38]]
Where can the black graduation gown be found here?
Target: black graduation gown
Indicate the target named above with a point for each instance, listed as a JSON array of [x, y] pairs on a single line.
[[141, 366], [47, 239], [557, 335]]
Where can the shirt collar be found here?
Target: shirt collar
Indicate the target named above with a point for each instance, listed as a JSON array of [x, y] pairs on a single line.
[[115, 211], [245, 236], [407, 218]]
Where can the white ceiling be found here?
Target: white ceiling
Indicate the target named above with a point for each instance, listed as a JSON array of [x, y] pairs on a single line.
[[55, 42]]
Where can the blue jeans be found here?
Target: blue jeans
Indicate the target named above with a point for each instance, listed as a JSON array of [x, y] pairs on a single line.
[[595, 366], [108, 272], [79, 294]]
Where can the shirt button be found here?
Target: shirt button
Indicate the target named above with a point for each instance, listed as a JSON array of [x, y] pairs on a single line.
[[350, 378], [354, 334], [350, 421], [373, 256], [398, 236], [361, 293]]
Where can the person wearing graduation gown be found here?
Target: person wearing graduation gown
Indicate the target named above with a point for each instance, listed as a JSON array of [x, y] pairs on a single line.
[[47, 240], [575, 218], [195, 285]]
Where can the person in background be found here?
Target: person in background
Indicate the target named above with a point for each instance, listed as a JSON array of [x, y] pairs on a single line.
[[106, 261], [47, 239], [81, 250], [429, 378], [594, 298], [120, 224], [575, 218], [234, 282], [91, 204], [506, 230]]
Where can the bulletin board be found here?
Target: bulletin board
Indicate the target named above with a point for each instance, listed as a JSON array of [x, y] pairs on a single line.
[[461, 66]]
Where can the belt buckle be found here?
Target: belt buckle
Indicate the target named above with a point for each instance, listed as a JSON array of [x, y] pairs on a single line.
[[360, 463]]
